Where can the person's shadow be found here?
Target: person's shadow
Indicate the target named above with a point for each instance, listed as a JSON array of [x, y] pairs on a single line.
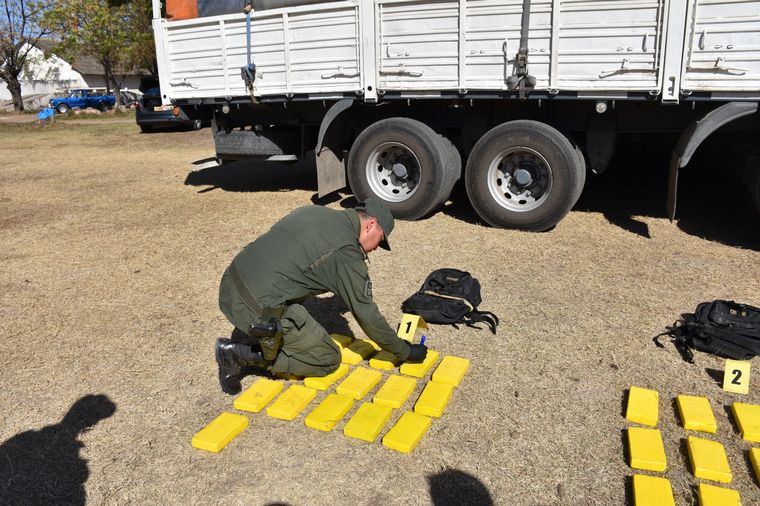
[[455, 487], [44, 466]]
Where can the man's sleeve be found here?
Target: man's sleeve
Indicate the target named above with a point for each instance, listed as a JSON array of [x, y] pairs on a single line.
[[350, 282]]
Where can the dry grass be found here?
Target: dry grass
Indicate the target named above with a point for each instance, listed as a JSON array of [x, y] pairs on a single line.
[[111, 253]]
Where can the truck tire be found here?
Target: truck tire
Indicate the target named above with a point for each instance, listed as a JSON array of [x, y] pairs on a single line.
[[524, 174], [102, 107], [62, 108], [404, 163]]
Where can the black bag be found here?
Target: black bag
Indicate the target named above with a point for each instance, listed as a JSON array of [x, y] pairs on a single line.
[[450, 296], [721, 327]]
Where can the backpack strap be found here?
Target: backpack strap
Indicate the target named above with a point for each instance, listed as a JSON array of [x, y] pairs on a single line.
[[461, 299], [679, 338], [472, 318]]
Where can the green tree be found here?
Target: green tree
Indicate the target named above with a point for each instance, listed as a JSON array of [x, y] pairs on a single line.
[[20, 30], [110, 31]]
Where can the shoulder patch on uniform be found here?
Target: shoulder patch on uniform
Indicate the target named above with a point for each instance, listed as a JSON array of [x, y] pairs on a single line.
[[368, 288]]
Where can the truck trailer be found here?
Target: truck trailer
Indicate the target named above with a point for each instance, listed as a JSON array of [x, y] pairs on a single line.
[[400, 99]]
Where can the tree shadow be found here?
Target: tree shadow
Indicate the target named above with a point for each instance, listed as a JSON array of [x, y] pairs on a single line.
[[255, 176], [45, 466], [452, 487]]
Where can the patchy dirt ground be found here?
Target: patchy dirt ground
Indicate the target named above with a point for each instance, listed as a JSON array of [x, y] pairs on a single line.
[[111, 248]]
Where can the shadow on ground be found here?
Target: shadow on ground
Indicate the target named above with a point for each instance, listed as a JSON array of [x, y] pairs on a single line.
[[256, 176], [45, 466], [711, 203], [453, 487]]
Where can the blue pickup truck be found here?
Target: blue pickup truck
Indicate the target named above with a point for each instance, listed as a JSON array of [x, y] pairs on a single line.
[[82, 99]]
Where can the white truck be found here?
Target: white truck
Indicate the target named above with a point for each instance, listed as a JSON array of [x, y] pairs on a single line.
[[401, 98]]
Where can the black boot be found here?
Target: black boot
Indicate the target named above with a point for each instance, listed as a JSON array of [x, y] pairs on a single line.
[[232, 358]]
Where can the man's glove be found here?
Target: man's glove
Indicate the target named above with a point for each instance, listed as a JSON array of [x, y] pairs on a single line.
[[417, 353]]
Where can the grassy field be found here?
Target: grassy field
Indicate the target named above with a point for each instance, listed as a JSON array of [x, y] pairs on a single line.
[[112, 244]]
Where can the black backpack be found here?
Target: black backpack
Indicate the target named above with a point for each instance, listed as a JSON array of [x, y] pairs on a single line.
[[721, 327], [450, 296]]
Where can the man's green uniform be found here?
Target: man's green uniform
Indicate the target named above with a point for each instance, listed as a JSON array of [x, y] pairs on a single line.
[[313, 250]]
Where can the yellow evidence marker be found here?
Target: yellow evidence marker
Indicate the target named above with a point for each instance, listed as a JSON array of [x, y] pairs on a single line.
[[646, 449], [384, 361], [395, 391], [696, 413], [747, 417], [433, 399], [407, 432], [368, 421], [754, 457], [736, 376], [451, 370], [291, 402], [652, 491], [329, 412], [708, 460], [419, 370], [357, 351], [325, 382], [341, 340], [710, 495], [359, 383], [215, 436], [409, 325], [258, 395], [643, 406]]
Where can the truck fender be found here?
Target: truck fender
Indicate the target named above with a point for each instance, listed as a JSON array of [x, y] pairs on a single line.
[[694, 135], [331, 172]]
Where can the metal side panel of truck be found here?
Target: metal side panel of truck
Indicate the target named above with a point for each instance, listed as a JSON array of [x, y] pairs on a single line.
[[327, 64], [401, 45]]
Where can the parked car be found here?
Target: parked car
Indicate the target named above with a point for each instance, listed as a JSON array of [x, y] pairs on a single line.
[[82, 99], [151, 114]]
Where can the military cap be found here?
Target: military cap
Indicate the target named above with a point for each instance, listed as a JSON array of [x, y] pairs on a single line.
[[373, 207]]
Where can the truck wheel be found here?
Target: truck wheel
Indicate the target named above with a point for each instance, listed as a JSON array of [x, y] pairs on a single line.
[[62, 108], [102, 107], [524, 174], [404, 163]]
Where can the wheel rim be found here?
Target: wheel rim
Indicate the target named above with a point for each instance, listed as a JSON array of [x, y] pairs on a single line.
[[393, 171], [519, 179]]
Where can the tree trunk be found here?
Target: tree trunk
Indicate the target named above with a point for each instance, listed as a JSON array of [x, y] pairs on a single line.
[[113, 86], [14, 86]]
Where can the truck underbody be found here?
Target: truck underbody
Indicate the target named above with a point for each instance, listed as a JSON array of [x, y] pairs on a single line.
[[400, 99]]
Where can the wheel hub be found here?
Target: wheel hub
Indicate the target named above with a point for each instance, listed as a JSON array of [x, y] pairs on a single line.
[[393, 171], [519, 179], [522, 177], [399, 170]]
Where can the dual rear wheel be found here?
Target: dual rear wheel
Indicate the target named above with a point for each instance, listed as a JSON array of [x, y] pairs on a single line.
[[522, 174], [404, 163]]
